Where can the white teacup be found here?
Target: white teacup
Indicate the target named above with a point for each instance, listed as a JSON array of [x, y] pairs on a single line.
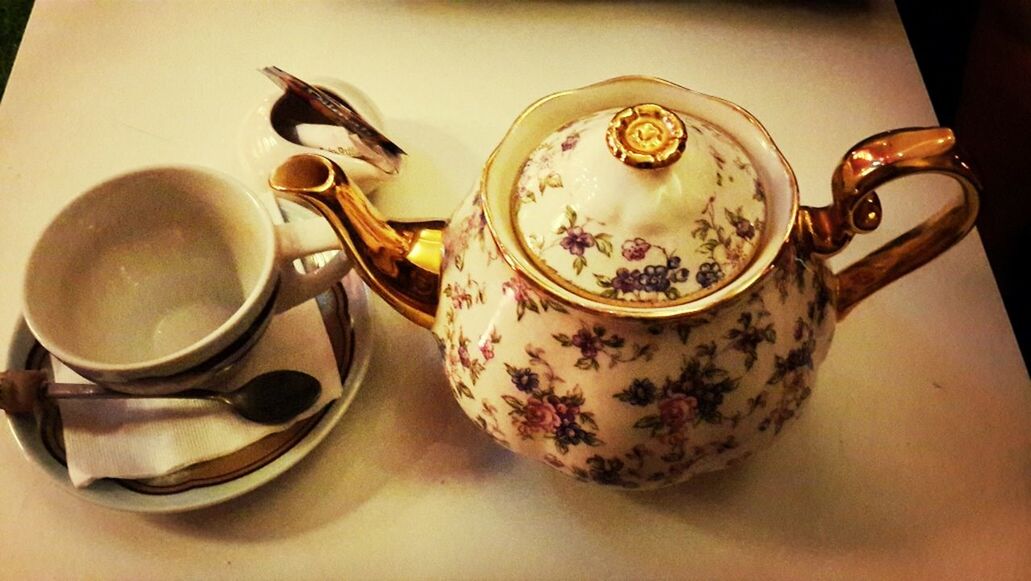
[[157, 280]]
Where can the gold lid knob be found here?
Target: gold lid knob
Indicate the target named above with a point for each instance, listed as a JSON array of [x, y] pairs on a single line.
[[646, 136]]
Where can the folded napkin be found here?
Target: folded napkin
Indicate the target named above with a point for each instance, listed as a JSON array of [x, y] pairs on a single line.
[[143, 438]]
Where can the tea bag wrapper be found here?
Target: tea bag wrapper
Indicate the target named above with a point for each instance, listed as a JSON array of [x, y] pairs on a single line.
[[367, 143]]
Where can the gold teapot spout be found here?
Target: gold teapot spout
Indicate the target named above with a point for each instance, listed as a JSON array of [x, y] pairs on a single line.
[[399, 260]]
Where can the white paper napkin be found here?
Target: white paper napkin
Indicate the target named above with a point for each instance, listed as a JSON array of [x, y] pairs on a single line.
[[141, 438]]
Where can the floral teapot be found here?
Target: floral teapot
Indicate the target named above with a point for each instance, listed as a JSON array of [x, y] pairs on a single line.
[[632, 294]]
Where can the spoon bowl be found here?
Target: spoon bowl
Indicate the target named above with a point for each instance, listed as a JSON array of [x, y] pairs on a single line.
[[274, 397]]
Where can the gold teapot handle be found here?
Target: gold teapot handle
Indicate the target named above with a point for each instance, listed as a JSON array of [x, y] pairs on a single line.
[[856, 208]]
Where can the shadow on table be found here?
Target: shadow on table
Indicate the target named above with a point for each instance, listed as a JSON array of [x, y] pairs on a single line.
[[739, 506], [403, 424], [882, 460], [803, 492]]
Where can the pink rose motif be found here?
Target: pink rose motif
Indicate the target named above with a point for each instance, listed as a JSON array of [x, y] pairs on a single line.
[[487, 349], [460, 298], [570, 141], [677, 410], [673, 439], [519, 289], [636, 249], [463, 356], [452, 362], [538, 417], [794, 382]]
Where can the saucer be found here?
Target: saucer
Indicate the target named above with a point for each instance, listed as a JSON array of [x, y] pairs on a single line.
[[345, 313]]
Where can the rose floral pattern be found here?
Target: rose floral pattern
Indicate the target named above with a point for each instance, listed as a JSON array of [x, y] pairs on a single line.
[[694, 396], [528, 299], [627, 403], [791, 372], [568, 224], [471, 227], [457, 350], [545, 413]]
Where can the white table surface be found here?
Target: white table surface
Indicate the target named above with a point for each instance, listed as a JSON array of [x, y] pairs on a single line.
[[913, 457]]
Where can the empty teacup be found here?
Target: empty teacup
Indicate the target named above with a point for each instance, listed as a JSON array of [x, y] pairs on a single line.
[[157, 280]]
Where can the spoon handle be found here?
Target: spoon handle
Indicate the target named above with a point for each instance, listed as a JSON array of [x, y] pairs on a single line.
[[19, 391], [82, 390], [94, 391]]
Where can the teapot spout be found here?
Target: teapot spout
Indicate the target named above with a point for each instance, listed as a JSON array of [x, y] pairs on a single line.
[[401, 261]]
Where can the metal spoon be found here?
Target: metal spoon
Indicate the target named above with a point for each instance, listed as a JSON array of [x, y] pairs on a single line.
[[270, 398]]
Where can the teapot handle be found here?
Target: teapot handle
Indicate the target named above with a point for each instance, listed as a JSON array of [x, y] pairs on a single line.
[[857, 209]]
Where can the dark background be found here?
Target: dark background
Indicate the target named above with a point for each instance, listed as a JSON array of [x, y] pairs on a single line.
[[975, 58]]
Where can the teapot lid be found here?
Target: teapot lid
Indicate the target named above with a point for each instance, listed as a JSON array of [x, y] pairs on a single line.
[[640, 206]]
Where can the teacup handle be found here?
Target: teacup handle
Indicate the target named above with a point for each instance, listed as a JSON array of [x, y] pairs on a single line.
[[299, 239], [857, 209]]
